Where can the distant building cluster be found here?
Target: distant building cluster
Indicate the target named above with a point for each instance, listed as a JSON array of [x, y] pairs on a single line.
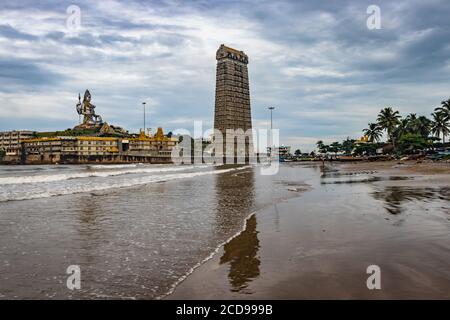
[[90, 142], [88, 149], [29, 149], [94, 140], [10, 142]]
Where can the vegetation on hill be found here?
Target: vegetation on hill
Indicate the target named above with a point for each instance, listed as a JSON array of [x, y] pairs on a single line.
[[67, 132]]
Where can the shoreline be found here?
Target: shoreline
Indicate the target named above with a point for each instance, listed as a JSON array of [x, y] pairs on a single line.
[[289, 264], [208, 258], [335, 161]]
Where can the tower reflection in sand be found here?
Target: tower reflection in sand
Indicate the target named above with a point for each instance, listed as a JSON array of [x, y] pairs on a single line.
[[242, 255]]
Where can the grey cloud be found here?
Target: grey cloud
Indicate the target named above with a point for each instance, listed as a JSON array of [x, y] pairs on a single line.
[[375, 67], [9, 32], [25, 74]]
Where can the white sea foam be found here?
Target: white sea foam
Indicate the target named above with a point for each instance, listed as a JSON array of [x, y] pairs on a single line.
[[113, 166], [86, 174], [75, 188]]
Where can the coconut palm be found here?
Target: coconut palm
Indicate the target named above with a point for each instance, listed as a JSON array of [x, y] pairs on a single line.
[[423, 126], [321, 146], [412, 123], [444, 109], [440, 125], [373, 132], [388, 120], [403, 127]]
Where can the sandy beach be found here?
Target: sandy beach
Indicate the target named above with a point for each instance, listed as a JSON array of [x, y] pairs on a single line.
[[318, 245], [202, 232]]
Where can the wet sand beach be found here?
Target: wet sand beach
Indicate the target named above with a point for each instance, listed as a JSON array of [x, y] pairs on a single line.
[[318, 245], [145, 231], [133, 230]]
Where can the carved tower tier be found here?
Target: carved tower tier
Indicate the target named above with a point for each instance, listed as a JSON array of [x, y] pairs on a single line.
[[232, 105]]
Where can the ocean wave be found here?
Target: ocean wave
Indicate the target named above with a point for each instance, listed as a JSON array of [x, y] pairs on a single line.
[[87, 174], [125, 183], [113, 166]]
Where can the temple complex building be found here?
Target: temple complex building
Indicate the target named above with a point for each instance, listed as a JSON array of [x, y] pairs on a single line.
[[232, 101], [91, 149]]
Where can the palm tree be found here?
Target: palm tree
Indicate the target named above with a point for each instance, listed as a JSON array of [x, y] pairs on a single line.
[[444, 108], [321, 146], [412, 123], [423, 126], [373, 132], [440, 125], [403, 127], [388, 120]]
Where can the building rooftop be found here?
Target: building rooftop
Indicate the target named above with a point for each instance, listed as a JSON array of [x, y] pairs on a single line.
[[228, 52]]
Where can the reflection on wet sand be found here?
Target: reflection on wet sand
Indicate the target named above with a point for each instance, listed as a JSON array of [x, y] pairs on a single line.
[[325, 240], [395, 196], [336, 177], [242, 255], [235, 199], [236, 196]]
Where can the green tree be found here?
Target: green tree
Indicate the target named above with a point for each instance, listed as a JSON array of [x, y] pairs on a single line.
[[373, 132], [444, 108], [411, 142], [412, 123], [298, 152], [388, 119], [321, 146], [335, 147], [444, 111], [440, 125], [348, 145], [423, 126], [366, 149], [402, 128]]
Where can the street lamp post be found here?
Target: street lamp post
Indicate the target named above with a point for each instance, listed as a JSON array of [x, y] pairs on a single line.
[[271, 109], [271, 127], [144, 103]]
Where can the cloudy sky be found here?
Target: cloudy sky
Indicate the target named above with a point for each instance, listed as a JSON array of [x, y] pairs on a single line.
[[316, 61]]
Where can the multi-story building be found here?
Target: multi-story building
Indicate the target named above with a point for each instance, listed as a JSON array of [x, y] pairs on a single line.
[[68, 149], [47, 150], [10, 143], [97, 146], [282, 151], [87, 149]]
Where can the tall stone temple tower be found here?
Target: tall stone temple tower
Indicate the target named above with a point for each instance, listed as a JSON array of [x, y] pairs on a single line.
[[232, 107]]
